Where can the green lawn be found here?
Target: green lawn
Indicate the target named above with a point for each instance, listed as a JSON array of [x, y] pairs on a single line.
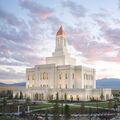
[[3, 118], [100, 104], [41, 105]]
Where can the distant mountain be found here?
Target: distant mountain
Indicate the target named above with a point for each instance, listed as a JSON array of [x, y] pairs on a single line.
[[113, 83], [14, 84], [2, 84]]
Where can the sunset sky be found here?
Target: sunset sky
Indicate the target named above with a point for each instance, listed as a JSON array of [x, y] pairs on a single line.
[[28, 31]]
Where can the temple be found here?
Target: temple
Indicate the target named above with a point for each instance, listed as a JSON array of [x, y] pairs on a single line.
[[61, 75]]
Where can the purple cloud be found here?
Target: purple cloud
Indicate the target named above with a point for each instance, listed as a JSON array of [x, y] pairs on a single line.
[[75, 9], [37, 9], [10, 18]]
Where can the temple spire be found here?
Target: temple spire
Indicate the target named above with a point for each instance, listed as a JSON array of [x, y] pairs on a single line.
[[60, 31]]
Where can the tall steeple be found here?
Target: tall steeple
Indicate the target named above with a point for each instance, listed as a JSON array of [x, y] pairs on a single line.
[[60, 31], [60, 39], [61, 56]]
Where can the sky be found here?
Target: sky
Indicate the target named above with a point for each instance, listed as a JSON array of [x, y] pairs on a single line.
[[28, 31]]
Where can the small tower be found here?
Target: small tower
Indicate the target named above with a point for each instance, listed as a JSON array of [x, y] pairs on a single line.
[[61, 56], [60, 39]]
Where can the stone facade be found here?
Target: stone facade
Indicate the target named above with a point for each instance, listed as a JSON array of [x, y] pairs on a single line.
[[60, 74]]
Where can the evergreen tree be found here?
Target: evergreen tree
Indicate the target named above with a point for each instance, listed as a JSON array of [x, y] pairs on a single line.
[[21, 95], [36, 96], [4, 103], [110, 104], [57, 97], [82, 108], [101, 96], [27, 101], [56, 112], [46, 116], [65, 97], [67, 112], [16, 96]]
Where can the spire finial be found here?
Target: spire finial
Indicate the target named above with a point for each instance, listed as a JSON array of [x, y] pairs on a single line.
[[60, 31]]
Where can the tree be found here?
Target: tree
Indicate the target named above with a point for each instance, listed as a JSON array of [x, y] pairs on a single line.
[[101, 96], [65, 97], [57, 96], [82, 108], [71, 99], [67, 112], [16, 96], [46, 116], [9, 94], [56, 112], [4, 103], [110, 104], [21, 95], [36, 96], [15, 104], [27, 101]]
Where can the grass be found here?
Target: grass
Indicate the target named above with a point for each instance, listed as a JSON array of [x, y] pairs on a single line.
[[100, 104], [3, 118], [41, 105]]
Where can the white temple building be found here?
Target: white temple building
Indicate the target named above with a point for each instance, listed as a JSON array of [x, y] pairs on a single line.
[[61, 75]]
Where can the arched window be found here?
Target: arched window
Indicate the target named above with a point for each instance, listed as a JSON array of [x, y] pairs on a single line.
[[58, 42], [73, 75], [66, 76], [84, 76], [44, 75], [33, 77], [41, 76], [77, 96], [28, 77], [64, 42], [71, 96], [60, 76], [47, 76], [66, 86]]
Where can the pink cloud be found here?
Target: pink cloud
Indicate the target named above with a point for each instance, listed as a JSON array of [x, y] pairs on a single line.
[[100, 76], [43, 15], [37, 9]]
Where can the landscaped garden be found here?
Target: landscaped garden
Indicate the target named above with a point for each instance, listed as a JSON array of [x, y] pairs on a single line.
[[4, 118]]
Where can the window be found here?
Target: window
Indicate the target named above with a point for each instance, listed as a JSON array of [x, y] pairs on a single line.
[[64, 42], [33, 77], [28, 77], [44, 75], [84, 76], [71, 96], [41, 76], [66, 76], [58, 41], [73, 75], [66, 86], [47, 76], [77, 96], [60, 76]]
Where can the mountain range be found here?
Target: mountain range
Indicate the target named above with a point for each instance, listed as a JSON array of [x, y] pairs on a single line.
[[14, 84], [113, 83]]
